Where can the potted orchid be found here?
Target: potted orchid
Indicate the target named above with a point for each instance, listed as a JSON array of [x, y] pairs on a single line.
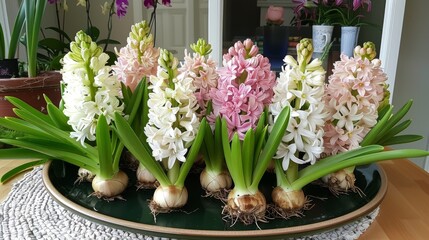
[[317, 13], [349, 15]]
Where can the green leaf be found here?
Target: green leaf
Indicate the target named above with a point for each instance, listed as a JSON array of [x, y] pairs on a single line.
[[53, 44], [219, 158], [209, 146], [260, 144], [2, 44], [280, 174], [24, 106], [15, 171], [395, 130], [401, 139], [330, 160], [135, 146], [20, 125], [112, 57], [104, 148], [237, 163], [93, 32], [61, 136], [16, 32], [309, 177], [58, 117], [226, 144], [270, 148], [61, 32], [55, 63], [248, 155], [370, 137], [382, 112], [394, 119], [192, 154], [20, 153], [55, 152]]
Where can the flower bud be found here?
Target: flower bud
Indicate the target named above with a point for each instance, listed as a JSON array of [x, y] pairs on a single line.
[[367, 51], [202, 47], [304, 51]]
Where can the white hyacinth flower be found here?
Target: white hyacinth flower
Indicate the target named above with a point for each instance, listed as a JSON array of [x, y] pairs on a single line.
[[300, 86], [173, 123], [90, 88]]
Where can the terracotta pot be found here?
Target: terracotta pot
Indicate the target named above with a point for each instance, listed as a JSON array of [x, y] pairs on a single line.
[[31, 91]]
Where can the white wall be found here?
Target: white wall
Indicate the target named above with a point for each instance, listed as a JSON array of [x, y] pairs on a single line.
[[412, 78]]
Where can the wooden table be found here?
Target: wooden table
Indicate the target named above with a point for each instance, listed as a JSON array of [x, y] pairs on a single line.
[[404, 212]]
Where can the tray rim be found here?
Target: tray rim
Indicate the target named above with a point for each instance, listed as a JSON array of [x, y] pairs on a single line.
[[161, 231]]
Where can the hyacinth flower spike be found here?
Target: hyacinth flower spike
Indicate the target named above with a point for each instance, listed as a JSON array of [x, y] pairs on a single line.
[[300, 87], [384, 132], [214, 178], [136, 62], [244, 91], [357, 100], [173, 132]]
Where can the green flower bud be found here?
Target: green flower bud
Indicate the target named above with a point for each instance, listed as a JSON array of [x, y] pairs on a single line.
[[367, 51], [202, 47], [304, 51]]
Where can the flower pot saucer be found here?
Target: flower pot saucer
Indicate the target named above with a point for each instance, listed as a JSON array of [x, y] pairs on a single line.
[[201, 218]]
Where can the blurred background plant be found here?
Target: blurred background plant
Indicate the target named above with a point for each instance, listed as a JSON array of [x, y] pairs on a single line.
[[154, 4], [314, 12], [351, 12], [53, 48]]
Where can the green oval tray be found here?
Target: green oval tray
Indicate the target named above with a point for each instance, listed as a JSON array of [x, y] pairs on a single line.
[[202, 218]]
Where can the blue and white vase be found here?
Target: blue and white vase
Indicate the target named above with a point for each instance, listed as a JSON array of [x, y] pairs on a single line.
[[349, 37], [322, 35]]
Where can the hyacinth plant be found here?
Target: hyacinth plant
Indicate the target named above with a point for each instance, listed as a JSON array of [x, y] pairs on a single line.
[[244, 90], [173, 132], [355, 95], [299, 87], [135, 63], [79, 131], [214, 178], [288, 196]]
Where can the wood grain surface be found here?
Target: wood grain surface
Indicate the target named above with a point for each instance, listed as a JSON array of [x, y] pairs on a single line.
[[404, 212]]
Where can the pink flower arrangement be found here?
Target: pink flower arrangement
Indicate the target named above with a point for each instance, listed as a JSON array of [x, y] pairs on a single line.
[[138, 58], [202, 69], [244, 89], [353, 96]]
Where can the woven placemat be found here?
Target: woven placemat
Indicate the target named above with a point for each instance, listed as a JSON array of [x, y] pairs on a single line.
[[30, 213]]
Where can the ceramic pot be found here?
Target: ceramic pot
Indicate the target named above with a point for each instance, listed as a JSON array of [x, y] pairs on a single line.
[[31, 91], [349, 37], [322, 35]]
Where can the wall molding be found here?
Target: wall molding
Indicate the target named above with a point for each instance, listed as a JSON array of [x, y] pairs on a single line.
[[391, 39]]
